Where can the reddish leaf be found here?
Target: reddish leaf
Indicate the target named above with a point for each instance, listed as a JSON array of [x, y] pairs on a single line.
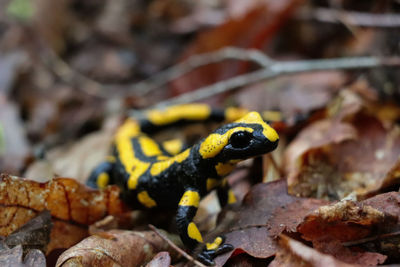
[[352, 151], [253, 30], [344, 221], [256, 225]]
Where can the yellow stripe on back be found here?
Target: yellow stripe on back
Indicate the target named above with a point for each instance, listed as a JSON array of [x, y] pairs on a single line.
[[173, 146], [133, 166], [149, 147], [176, 113], [161, 166], [232, 113]]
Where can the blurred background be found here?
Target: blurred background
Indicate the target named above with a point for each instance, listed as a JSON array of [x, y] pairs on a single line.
[[68, 68]]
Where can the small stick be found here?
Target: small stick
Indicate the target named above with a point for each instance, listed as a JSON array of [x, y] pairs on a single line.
[[353, 18], [269, 69], [278, 68], [178, 249]]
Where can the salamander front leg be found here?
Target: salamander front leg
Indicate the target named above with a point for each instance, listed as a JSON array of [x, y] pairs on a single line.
[[189, 232]]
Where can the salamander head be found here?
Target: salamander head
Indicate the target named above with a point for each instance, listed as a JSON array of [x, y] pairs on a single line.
[[247, 137]]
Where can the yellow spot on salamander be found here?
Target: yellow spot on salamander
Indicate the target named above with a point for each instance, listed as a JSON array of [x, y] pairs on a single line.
[[272, 115], [268, 131], [161, 166], [224, 169], [173, 146], [146, 200], [212, 183], [214, 245], [231, 197], [190, 198], [175, 113], [102, 180], [194, 233], [214, 143], [149, 147]]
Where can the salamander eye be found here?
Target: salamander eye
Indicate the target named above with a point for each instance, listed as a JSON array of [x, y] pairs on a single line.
[[240, 139]]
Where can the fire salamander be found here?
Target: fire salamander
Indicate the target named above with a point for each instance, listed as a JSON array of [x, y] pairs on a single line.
[[161, 175]]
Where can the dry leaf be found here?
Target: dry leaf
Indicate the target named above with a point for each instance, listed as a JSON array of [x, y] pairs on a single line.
[[117, 248], [65, 198], [256, 226], [14, 257], [162, 259]]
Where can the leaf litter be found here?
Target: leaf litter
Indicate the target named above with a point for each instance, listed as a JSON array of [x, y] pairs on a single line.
[[336, 202]]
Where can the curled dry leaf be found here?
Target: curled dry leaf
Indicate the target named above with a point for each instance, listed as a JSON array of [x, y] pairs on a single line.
[[347, 229], [293, 253], [352, 151], [256, 226], [344, 221], [117, 248], [65, 198], [15, 257]]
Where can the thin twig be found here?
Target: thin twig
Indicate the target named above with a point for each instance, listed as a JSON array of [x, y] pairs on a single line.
[[92, 87], [270, 69], [353, 18], [196, 61], [178, 249], [278, 68]]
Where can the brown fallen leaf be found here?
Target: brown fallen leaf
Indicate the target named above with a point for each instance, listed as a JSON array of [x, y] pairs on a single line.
[[255, 228], [64, 235], [351, 151], [348, 229], [119, 248], [344, 221], [14, 257], [65, 198], [162, 259], [294, 253]]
